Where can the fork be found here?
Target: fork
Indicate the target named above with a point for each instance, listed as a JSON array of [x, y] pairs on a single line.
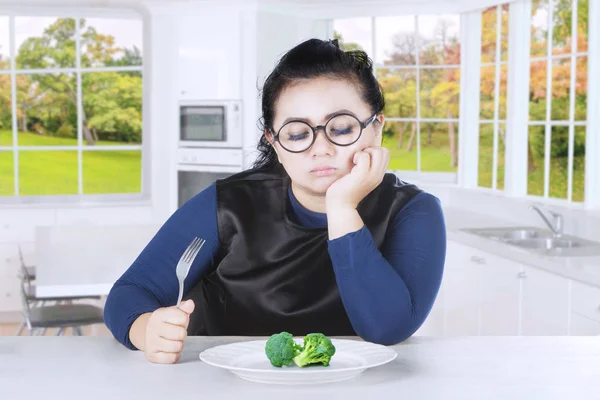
[[185, 262]]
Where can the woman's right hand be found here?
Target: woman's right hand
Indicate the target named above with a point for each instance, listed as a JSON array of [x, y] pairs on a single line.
[[166, 332]]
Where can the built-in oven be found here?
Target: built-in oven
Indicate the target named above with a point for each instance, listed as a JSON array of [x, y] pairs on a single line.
[[210, 123], [198, 168]]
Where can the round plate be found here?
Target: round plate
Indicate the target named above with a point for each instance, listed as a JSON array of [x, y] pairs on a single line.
[[248, 361]]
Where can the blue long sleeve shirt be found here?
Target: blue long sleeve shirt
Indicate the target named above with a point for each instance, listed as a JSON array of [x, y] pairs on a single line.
[[387, 293]]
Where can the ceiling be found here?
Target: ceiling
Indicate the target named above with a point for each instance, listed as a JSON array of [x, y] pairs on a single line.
[[131, 3]]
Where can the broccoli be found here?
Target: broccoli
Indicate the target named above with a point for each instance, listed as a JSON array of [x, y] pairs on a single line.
[[317, 349], [281, 349]]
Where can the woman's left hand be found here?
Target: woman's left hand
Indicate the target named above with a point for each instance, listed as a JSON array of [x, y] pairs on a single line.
[[367, 173]]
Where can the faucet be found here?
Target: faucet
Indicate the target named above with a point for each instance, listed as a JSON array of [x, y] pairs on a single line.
[[556, 226]]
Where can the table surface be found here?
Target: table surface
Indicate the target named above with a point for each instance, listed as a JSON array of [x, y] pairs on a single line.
[[508, 367]]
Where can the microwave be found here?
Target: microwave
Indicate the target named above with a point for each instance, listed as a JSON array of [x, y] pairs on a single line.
[[206, 123]]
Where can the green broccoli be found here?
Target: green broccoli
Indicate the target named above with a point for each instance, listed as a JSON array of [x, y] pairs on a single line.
[[317, 349], [281, 349]]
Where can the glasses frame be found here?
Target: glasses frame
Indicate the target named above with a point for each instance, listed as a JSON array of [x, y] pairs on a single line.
[[315, 129]]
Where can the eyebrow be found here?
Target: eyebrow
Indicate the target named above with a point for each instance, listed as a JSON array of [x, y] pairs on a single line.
[[342, 111]]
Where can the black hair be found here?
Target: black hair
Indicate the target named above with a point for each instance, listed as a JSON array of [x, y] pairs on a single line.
[[314, 58]]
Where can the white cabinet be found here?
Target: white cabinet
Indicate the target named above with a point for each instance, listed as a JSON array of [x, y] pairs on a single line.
[[210, 55], [585, 309], [500, 288], [462, 297], [545, 303]]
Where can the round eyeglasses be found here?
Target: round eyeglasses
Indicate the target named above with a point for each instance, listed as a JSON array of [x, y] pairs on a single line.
[[297, 136]]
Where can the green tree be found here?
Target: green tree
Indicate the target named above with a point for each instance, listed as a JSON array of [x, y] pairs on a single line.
[[51, 99]]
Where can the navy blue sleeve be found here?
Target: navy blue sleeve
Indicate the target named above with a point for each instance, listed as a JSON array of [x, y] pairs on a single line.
[[388, 294], [150, 282]]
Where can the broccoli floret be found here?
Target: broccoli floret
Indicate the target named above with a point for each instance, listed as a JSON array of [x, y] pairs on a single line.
[[317, 349], [281, 349]]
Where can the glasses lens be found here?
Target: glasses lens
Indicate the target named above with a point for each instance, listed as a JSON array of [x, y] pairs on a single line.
[[295, 136], [343, 129]]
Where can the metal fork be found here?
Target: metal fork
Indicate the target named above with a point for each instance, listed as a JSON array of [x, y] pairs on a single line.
[[185, 262]]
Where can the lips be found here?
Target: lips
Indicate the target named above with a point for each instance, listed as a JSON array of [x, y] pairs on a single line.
[[323, 170]]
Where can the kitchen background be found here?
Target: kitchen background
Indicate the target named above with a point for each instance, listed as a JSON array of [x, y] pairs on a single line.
[[113, 113]]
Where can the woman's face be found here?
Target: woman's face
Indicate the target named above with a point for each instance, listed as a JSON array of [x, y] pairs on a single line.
[[314, 101]]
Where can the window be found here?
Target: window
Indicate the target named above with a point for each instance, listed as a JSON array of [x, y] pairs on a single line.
[[558, 92], [492, 98], [417, 62], [70, 106]]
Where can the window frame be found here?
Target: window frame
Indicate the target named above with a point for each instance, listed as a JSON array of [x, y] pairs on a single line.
[[16, 199]]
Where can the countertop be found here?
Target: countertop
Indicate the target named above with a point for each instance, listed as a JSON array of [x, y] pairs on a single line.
[[581, 269], [426, 368]]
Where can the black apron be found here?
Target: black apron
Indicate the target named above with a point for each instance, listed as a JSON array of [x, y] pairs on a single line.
[[272, 275]]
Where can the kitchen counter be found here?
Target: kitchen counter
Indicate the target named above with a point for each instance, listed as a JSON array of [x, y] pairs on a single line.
[[426, 368], [581, 269]]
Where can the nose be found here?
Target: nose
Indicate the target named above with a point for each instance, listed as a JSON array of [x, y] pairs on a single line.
[[322, 146]]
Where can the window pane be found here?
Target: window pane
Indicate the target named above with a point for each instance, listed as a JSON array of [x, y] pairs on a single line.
[[106, 172], [400, 89], [579, 164], [111, 42], [581, 89], [561, 21], [561, 84], [503, 92], [439, 93], [504, 33], [4, 43], [537, 91], [401, 139], [535, 161], [439, 152], [47, 110], [354, 33], [488, 35], [501, 156], [112, 103], [439, 39], [5, 111], [47, 172], [539, 28], [45, 42], [486, 95], [486, 151], [396, 40], [7, 174], [582, 25], [559, 162]]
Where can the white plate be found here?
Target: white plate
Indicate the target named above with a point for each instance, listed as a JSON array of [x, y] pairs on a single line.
[[248, 361]]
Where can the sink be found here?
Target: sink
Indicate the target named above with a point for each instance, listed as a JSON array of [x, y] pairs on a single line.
[[540, 241]]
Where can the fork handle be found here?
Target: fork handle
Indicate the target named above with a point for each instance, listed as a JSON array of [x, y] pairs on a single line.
[[180, 293]]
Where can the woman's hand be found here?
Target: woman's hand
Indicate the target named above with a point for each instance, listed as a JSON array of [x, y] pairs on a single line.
[[367, 173], [164, 332]]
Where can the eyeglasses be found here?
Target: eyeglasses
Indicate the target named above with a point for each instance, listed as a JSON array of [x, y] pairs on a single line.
[[342, 130]]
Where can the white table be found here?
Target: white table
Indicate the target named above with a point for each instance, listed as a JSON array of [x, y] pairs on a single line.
[[504, 368], [86, 260]]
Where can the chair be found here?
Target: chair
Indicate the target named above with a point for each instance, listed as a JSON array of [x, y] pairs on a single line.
[[39, 318], [27, 275]]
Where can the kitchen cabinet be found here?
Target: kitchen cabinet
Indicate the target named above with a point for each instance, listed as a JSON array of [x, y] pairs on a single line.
[[500, 281], [210, 55], [545, 303], [462, 291], [585, 309]]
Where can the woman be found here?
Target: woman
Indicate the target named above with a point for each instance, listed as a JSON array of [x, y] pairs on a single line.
[[315, 238]]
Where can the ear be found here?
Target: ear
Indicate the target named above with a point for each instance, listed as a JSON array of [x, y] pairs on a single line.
[[269, 136], [379, 129]]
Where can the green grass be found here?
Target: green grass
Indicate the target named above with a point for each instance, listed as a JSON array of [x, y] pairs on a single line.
[[55, 172], [435, 156], [32, 139]]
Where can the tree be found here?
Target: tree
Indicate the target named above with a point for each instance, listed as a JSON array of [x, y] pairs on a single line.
[[347, 46], [51, 99]]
